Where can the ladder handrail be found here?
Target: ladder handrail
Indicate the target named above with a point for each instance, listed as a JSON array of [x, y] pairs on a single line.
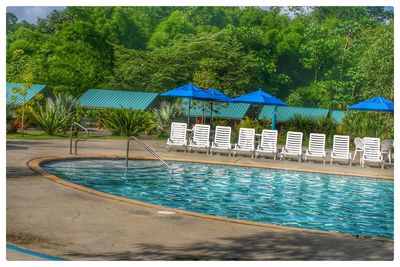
[[78, 139], [147, 148]]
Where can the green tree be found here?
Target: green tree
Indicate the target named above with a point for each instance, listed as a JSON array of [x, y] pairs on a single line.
[[174, 27]]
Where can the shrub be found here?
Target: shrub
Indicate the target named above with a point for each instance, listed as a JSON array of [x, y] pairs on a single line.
[[11, 116], [56, 115], [128, 122], [324, 125], [364, 123], [166, 114], [300, 124], [219, 122], [248, 122]]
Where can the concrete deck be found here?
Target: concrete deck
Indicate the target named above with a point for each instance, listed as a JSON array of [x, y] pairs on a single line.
[[56, 220]]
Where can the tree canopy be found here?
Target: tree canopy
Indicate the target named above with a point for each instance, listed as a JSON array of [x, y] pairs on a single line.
[[328, 57]]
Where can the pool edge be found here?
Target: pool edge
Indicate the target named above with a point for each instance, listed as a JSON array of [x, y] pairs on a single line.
[[34, 164]]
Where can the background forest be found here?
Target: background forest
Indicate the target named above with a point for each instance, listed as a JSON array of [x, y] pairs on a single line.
[[327, 57]]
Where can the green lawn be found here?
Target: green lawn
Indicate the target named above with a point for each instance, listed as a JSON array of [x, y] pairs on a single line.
[[29, 135], [40, 135]]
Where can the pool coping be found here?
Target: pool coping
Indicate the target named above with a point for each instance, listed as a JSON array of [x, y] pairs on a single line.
[[34, 164]]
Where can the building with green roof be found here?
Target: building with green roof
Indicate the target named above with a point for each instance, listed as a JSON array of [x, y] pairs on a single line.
[[99, 98], [13, 97], [286, 113], [235, 111]]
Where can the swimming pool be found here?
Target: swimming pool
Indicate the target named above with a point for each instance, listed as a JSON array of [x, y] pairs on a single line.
[[345, 204]]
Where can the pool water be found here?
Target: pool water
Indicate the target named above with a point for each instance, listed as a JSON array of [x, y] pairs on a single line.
[[345, 204]]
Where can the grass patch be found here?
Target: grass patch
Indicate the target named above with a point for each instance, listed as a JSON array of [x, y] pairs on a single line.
[[34, 136], [41, 135]]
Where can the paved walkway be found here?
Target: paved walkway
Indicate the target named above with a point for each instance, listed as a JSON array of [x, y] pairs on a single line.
[[56, 220]]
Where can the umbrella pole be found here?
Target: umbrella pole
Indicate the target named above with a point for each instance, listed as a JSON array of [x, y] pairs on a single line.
[[202, 117], [376, 127], [273, 122], [387, 125], [212, 102], [188, 120]]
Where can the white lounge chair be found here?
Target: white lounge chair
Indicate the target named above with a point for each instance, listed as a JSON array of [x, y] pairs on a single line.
[[245, 142], [316, 147], [372, 152], [293, 146], [386, 149], [201, 137], [222, 140], [178, 135], [341, 148], [268, 145], [359, 148]]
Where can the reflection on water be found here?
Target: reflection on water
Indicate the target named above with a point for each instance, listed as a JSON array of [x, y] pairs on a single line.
[[354, 205]]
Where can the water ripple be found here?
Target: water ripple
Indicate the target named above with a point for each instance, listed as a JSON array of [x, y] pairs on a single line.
[[354, 205]]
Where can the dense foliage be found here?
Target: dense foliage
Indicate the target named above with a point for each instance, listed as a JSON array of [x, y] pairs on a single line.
[[330, 57], [326, 57], [128, 122]]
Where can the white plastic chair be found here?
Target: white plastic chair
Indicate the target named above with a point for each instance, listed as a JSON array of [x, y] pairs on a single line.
[[340, 149], [316, 147], [222, 140], [177, 136], [372, 152], [245, 142], [268, 144], [293, 146], [386, 149], [201, 137], [359, 147]]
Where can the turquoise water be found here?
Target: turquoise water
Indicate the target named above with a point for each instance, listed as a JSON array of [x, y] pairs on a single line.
[[353, 205]]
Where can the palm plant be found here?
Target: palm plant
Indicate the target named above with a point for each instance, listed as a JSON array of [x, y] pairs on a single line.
[[128, 122], [166, 114], [301, 123], [56, 115]]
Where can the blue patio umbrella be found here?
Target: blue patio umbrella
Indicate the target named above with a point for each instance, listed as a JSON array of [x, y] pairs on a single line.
[[260, 97], [378, 104], [218, 96], [189, 91]]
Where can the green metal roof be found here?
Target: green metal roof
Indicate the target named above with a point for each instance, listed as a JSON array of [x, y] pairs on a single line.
[[287, 113], [11, 96], [230, 111], [338, 115], [98, 98]]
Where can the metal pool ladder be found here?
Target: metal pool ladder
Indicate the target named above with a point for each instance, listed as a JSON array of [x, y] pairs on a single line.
[[73, 125], [148, 149]]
